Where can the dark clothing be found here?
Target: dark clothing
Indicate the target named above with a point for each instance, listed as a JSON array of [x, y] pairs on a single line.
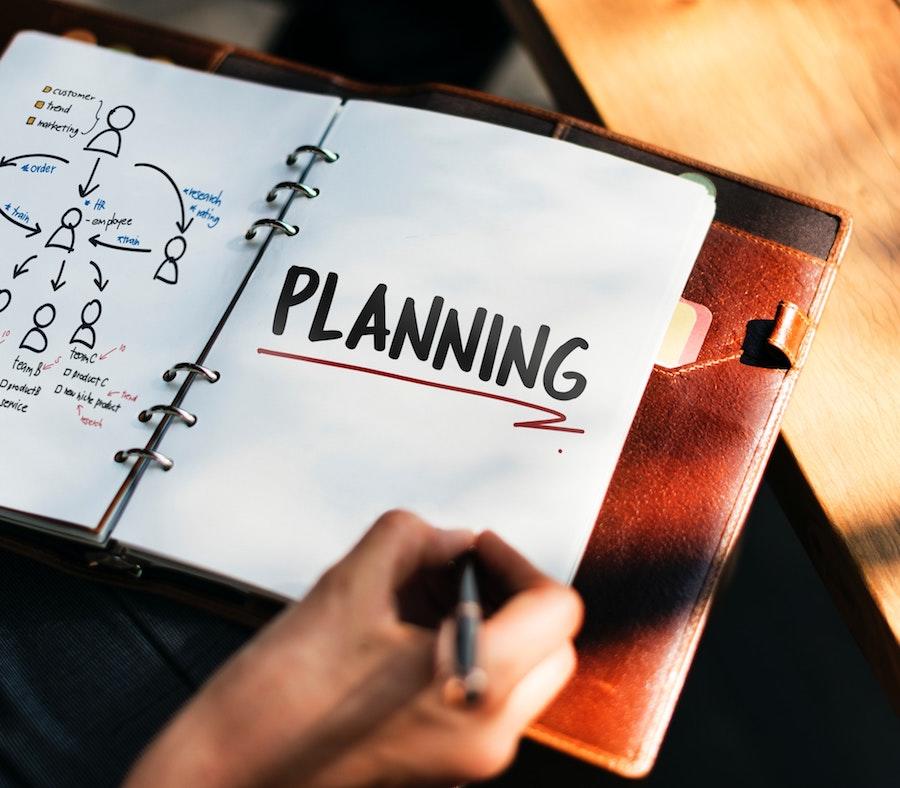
[[88, 673]]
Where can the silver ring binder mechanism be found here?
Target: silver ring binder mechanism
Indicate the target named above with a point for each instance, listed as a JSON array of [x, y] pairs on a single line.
[[275, 224], [328, 156], [145, 415], [324, 154], [298, 188], [170, 410], [188, 366], [147, 454], [193, 368]]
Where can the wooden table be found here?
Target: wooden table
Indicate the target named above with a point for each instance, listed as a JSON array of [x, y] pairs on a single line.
[[804, 94]]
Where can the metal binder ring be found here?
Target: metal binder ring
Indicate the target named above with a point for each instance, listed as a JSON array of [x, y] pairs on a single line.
[[323, 153], [188, 366], [275, 224], [302, 188], [148, 454], [170, 410]]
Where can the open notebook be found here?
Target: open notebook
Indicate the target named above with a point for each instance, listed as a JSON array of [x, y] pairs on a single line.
[[452, 317]]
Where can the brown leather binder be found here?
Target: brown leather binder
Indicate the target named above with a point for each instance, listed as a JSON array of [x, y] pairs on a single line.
[[697, 447]]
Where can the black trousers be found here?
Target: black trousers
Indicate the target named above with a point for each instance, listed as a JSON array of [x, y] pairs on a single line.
[[88, 673]]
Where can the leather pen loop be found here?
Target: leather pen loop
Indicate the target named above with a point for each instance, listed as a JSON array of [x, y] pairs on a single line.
[[789, 329]]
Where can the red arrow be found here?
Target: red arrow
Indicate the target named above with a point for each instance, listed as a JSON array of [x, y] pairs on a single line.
[[551, 421]]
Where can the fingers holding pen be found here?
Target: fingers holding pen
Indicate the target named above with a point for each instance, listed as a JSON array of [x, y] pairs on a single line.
[[536, 620], [539, 618], [535, 623]]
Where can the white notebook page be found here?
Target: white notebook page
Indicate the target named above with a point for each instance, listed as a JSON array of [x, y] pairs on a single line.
[[87, 327], [292, 458]]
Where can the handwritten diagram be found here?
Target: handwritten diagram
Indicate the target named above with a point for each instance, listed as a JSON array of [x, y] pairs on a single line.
[[84, 240], [36, 338], [64, 236], [168, 268], [109, 141], [88, 223]]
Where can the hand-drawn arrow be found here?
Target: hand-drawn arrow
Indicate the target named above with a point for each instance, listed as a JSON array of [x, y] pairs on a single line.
[[31, 230], [84, 191], [95, 242], [182, 226], [22, 268], [552, 421], [58, 282], [11, 162], [101, 285]]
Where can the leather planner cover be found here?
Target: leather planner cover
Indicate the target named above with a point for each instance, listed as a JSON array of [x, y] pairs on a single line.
[[697, 447]]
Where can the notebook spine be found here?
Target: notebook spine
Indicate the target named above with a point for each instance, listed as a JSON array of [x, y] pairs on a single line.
[[172, 411]]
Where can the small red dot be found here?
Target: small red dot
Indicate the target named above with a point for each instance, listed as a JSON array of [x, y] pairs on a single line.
[[559, 450]]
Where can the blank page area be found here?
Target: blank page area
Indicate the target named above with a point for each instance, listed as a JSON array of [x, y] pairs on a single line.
[[304, 440]]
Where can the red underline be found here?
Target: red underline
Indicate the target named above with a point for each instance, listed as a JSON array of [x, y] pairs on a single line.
[[536, 424]]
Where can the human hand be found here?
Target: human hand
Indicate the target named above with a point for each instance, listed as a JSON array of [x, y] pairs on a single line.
[[349, 686]]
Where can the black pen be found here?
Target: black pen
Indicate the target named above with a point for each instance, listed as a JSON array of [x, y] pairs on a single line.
[[468, 623]]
